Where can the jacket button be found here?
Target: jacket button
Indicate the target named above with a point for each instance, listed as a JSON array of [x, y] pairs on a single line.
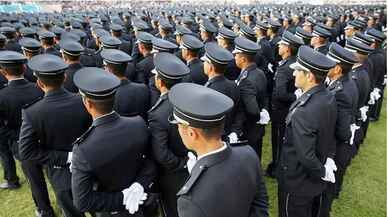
[[285, 168]]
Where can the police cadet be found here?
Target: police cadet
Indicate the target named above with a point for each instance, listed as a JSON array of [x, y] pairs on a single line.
[[31, 47], [378, 57], [207, 30], [225, 181], [309, 139], [306, 36], [48, 128], [253, 94], [225, 39], [283, 94], [117, 31], [180, 31], [111, 142], [320, 39], [71, 52], [168, 150], [346, 95], [47, 40], [165, 31], [191, 46], [18, 93], [145, 66], [360, 75], [274, 37], [11, 44], [131, 98], [216, 60]]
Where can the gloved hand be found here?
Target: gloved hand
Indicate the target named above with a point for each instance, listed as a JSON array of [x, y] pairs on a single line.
[[363, 111], [385, 80], [191, 161], [270, 67], [330, 163], [68, 161], [298, 92], [264, 117], [376, 93], [233, 138], [329, 174], [133, 197], [353, 128]]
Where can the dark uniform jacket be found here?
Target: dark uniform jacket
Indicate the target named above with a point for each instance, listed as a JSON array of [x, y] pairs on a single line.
[[168, 149], [360, 75], [48, 131], [346, 95], [284, 85], [230, 89], [377, 66], [232, 71], [309, 140], [108, 158], [29, 75], [197, 72], [131, 99], [144, 68], [13, 97], [225, 184], [69, 83], [253, 95]]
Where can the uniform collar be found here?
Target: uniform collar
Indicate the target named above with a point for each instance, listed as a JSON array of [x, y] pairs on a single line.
[[215, 78], [56, 92], [124, 82], [105, 119], [213, 152], [193, 61], [306, 96], [16, 81]]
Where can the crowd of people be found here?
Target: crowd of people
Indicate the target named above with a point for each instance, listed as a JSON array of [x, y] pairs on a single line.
[[162, 111]]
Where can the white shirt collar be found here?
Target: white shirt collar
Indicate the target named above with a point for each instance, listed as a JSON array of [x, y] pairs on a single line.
[[213, 152], [104, 115]]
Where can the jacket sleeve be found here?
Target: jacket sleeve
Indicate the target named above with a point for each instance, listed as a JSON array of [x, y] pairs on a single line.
[[305, 140], [30, 149], [159, 140], [344, 118], [248, 99], [84, 197], [282, 82], [259, 206]]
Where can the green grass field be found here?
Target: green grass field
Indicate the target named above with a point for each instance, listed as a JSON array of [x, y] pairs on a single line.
[[363, 195]]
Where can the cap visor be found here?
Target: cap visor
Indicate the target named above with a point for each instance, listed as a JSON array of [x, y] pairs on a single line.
[[297, 66], [173, 119], [205, 59], [235, 51]]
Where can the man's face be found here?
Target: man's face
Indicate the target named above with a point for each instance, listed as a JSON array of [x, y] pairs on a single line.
[[238, 59], [349, 32], [204, 35], [308, 28], [222, 43], [282, 49], [300, 78], [314, 41]]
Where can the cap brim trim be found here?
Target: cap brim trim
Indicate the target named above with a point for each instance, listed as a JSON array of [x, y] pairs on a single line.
[[196, 119], [298, 66]]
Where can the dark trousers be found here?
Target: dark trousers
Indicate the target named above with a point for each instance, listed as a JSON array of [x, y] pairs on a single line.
[[65, 200], [170, 184], [343, 158], [278, 128], [291, 205], [35, 177], [8, 163], [255, 136]]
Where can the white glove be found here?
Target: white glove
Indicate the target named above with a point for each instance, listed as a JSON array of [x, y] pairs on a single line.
[[69, 157], [233, 138], [330, 163], [353, 128], [270, 67], [191, 161], [363, 111], [133, 197], [385, 80], [329, 174], [298, 92], [377, 93], [264, 117]]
